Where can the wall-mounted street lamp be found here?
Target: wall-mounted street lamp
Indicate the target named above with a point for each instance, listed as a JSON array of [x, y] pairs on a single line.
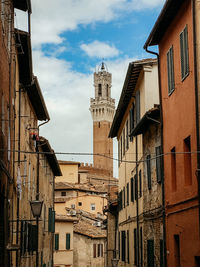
[[114, 262], [36, 208]]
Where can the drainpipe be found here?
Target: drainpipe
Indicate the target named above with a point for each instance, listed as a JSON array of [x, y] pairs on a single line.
[[163, 180], [195, 46]]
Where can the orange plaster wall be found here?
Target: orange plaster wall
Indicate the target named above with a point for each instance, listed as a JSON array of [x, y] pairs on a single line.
[[179, 122], [179, 108]]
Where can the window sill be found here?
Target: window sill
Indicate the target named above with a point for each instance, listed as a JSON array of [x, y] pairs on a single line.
[[186, 75]]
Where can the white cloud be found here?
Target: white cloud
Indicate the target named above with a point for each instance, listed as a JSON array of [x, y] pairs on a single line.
[[99, 50], [52, 18]]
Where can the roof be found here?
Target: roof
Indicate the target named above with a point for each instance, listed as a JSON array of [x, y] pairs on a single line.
[[24, 54], [165, 18], [24, 5], [149, 117], [63, 162], [35, 95], [87, 229], [51, 157], [86, 187], [65, 218], [131, 79]]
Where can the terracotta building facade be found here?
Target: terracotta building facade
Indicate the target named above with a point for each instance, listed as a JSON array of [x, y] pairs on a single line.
[[174, 33]]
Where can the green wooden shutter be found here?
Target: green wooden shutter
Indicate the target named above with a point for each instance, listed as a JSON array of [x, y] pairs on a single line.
[[127, 193], [135, 245], [137, 106], [128, 255], [50, 220], [158, 164], [132, 190], [34, 237], [182, 55], [53, 221], [141, 246], [56, 241], [67, 241], [136, 186], [123, 241], [119, 245], [140, 183], [150, 253], [186, 50], [148, 164]]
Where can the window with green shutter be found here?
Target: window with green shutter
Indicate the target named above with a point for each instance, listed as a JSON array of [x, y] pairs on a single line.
[[140, 183], [184, 53], [67, 241], [170, 70], [53, 221], [127, 193], [137, 100], [150, 253], [56, 241], [158, 164], [128, 255], [123, 246], [148, 164], [50, 220], [132, 190]]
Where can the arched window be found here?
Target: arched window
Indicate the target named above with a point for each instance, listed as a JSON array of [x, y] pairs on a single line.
[[99, 90]]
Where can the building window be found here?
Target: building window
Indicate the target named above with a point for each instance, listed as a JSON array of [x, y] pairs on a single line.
[[187, 161], [170, 70], [99, 89], [173, 168], [135, 245], [177, 251], [150, 253], [63, 194], [56, 241], [137, 100], [141, 246], [184, 53], [131, 123], [120, 200], [124, 141], [99, 250], [128, 255], [123, 246], [119, 245], [158, 164], [132, 189], [107, 90], [136, 186], [92, 206], [94, 251], [124, 197], [127, 137], [80, 203], [67, 241], [148, 161], [127, 193], [140, 183]]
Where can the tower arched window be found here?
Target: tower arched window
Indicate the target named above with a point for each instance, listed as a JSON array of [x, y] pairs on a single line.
[[107, 90], [99, 89]]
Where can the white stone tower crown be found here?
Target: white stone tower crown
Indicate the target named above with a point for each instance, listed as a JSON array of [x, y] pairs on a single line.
[[102, 107]]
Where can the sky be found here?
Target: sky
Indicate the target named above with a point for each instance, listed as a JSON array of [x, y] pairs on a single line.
[[70, 38]]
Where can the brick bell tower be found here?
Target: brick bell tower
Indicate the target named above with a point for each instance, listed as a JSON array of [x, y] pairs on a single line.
[[102, 109]]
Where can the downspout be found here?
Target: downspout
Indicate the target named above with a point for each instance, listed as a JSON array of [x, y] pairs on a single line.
[[195, 47], [137, 202], [163, 180]]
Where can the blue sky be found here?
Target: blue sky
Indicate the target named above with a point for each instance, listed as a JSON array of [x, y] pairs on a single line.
[[69, 39]]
